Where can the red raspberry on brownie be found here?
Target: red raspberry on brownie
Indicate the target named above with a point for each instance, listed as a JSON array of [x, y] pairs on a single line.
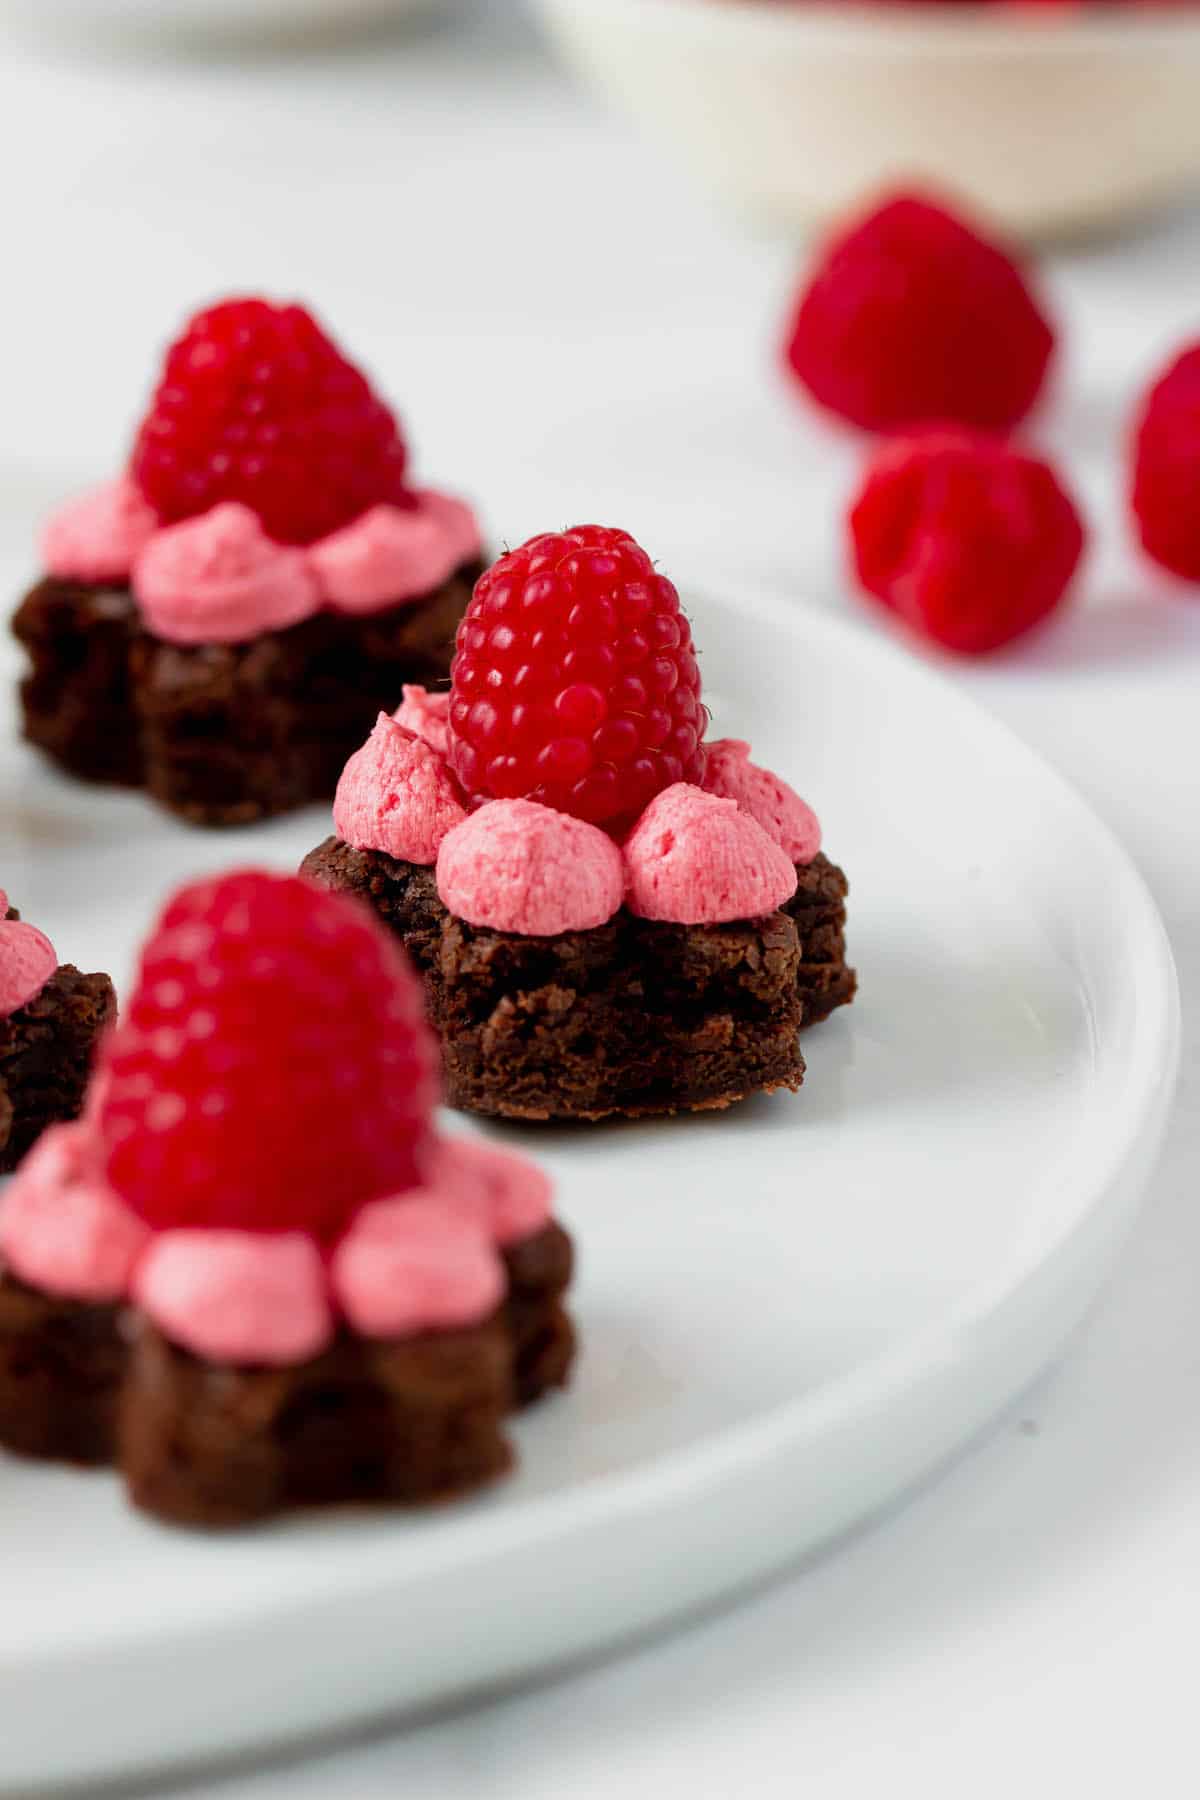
[[1166, 466], [257, 404], [272, 1068], [911, 316], [970, 541], [575, 683]]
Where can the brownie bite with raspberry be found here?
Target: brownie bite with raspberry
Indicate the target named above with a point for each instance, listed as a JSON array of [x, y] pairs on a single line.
[[254, 1275], [51, 1016], [611, 916], [221, 624]]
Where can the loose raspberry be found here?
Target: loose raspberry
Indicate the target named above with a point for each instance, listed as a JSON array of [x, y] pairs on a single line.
[[972, 542], [256, 404], [272, 1070], [911, 317], [1166, 467], [575, 683]]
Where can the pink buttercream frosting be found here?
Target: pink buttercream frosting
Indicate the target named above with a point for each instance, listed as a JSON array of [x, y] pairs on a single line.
[[27, 961], [509, 1193], [393, 554], [695, 859], [778, 808], [427, 716], [416, 1263], [517, 866], [426, 1260], [237, 1296], [98, 535], [219, 579], [62, 1229], [397, 795]]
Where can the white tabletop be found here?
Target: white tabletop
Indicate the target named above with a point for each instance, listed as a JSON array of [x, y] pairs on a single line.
[[571, 332]]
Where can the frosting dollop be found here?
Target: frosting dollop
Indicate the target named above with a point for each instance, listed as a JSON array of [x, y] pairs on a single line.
[[396, 795], [392, 554], [778, 808], [237, 1296], [27, 961], [695, 859], [511, 1193], [425, 1260], [415, 1263], [517, 866], [62, 1229], [97, 536], [427, 716], [219, 579]]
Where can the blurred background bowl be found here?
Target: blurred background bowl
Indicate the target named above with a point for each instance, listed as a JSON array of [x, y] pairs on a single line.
[[192, 20], [1049, 119]]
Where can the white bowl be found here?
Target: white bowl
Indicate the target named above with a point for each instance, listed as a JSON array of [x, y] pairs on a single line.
[[192, 20], [1046, 121]]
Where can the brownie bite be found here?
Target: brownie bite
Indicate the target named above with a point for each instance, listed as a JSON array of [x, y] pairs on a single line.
[[631, 1017], [201, 1443], [611, 915], [220, 734], [220, 625], [243, 1318], [47, 1035]]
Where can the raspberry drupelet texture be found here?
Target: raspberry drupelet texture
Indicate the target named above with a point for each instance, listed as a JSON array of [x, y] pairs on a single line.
[[1166, 467], [272, 1070], [257, 404], [912, 317], [575, 683], [971, 541]]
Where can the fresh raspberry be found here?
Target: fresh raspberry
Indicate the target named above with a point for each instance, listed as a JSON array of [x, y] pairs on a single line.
[[575, 683], [256, 404], [1166, 467], [971, 541], [911, 318], [272, 1070]]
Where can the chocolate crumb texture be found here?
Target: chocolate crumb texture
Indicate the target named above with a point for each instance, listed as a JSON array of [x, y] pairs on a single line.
[[407, 1422], [631, 1018], [220, 734]]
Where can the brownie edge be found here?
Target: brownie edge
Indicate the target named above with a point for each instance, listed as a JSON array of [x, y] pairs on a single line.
[[198, 1443], [46, 1051], [632, 1018], [221, 734]]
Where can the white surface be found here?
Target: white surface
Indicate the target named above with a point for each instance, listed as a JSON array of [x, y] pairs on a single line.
[[1027, 1624], [792, 113], [788, 1314]]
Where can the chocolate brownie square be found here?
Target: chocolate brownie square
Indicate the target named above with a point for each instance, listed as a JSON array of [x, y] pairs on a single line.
[[410, 1421], [634, 1017], [45, 1053], [220, 734]]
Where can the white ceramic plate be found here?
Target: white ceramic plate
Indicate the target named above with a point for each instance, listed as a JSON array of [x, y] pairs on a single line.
[[789, 1313]]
